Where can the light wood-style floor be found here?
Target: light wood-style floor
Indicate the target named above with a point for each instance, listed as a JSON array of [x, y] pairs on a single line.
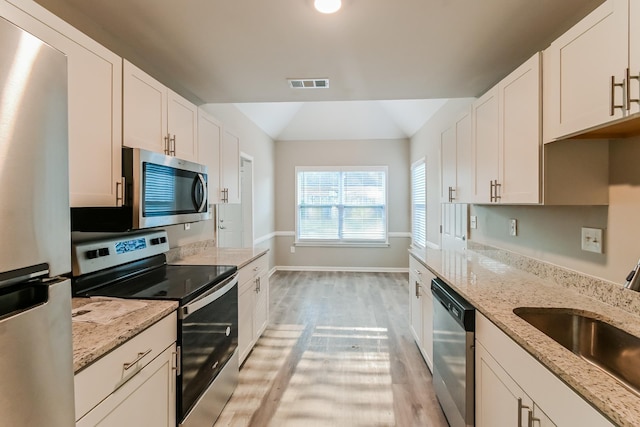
[[337, 352]]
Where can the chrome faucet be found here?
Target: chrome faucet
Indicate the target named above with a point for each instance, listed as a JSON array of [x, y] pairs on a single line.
[[633, 279]]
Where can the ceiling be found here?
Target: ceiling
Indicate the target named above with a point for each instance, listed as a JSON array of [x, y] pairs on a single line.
[[243, 51]]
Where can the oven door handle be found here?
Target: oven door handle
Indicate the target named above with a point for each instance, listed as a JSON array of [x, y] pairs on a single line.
[[207, 298]]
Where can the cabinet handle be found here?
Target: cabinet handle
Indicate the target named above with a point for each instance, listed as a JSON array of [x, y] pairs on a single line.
[[167, 146], [172, 145], [497, 186], [520, 408], [141, 355], [257, 285], [417, 289], [628, 87], [613, 104], [451, 194], [532, 419], [178, 367], [491, 191], [120, 194]]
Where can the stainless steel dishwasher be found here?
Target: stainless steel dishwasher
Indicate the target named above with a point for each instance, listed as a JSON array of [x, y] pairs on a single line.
[[453, 354]]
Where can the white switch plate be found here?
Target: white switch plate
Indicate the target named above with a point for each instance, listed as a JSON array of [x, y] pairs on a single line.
[[591, 240], [293, 249], [474, 221], [513, 227]]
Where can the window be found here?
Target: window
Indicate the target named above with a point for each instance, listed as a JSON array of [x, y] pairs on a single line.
[[341, 205], [418, 204]]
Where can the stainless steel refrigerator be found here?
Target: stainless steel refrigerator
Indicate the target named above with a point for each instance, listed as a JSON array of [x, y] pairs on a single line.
[[36, 363]]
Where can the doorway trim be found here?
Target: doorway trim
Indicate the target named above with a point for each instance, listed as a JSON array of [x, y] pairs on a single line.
[[246, 200]]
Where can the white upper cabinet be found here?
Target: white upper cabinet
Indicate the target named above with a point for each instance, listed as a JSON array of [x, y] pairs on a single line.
[[230, 168], [520, 127], [506, 136], [456, 151], [586, 81], [486, 136], [209, 145], [156, 118], [182, 122], [144, 110]]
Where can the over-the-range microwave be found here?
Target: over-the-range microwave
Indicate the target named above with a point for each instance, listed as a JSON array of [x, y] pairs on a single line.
[[159, 190]]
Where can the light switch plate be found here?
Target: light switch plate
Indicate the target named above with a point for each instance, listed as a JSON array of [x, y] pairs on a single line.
[[474, 221], [591, 240], [513, 227]]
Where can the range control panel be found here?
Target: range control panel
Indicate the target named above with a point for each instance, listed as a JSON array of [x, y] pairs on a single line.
[[94, 255]]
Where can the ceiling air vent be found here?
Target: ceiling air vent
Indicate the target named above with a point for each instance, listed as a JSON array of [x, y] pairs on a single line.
[[308, 83]]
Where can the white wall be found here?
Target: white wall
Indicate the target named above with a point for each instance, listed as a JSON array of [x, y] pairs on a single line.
[[426, 144], [392, 153]]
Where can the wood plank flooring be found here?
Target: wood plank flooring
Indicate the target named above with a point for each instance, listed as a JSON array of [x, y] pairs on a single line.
[[337, 352]]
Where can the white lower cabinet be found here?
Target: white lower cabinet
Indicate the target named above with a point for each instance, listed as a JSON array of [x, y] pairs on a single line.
[[133, 385], [253, 304], [421, 308], [514, 389]]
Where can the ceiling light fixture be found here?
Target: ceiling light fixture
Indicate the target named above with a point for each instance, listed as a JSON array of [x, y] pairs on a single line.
[[327, 6]]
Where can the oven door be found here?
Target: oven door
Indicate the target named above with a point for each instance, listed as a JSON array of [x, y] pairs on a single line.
[[208, 338]]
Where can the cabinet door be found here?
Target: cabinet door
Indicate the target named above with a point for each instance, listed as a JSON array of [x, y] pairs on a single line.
[[246, 303], [486, 136], [230, 167], [448, 164], [427, 318], [262, 305], [464, 159], [499, 399], [182, 125], [415, 305], [520, 140], [634, 55], [581, 63], [144, 110], [209, 141], [148, 399]]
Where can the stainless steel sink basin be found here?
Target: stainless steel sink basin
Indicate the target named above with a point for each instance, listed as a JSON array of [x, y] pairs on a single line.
[[611, 349]]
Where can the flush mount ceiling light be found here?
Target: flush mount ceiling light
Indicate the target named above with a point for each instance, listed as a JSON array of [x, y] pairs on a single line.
[[327, 6]]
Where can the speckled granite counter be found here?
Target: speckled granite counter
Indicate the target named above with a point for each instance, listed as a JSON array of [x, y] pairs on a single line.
[[222, 256], [92, 340], [495, 288]]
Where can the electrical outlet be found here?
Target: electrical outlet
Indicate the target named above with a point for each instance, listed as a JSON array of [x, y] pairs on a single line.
[[591, 240], [513, 227], [293, 249], [187, 226], [474, 221]]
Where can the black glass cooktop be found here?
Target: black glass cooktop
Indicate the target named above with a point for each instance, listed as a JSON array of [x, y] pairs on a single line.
[[181, 283]]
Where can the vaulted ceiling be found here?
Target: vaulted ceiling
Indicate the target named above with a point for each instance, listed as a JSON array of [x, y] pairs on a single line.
[[243, 51]]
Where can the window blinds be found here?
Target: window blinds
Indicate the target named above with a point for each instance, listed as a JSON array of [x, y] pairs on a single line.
[[418, 204], [341, 205]]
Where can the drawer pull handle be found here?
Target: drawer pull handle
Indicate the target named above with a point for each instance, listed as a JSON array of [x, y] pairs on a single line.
[[141, 355]]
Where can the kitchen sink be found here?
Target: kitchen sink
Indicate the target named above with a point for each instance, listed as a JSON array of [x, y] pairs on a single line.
[[613, 350]]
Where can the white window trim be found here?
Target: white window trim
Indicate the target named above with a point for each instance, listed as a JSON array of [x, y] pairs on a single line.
[[343, 243]]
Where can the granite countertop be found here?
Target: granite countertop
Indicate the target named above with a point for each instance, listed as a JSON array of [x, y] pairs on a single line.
[[93, 340], [222, 256], [495, 288]]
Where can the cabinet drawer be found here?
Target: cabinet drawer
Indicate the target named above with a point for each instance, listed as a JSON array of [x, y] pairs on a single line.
[[416, 268], [103, 377], [254, 269]]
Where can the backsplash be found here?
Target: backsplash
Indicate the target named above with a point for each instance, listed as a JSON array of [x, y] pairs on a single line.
[[189, 249], [610, 293]]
